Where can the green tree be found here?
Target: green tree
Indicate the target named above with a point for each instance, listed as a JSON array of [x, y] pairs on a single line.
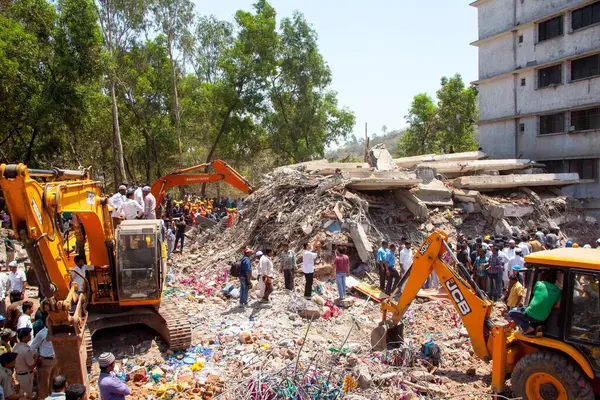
[[457, 113], [422, 136], [306, 117], [443, 127], [173, 18]]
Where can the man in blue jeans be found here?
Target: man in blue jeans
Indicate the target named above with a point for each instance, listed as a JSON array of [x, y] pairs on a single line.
[[180, 235], [383, 270], [246, 277], [394, 276], [494, 273]]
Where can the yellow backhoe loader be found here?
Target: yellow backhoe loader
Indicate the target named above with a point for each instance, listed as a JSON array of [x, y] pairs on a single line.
[[561, 364]]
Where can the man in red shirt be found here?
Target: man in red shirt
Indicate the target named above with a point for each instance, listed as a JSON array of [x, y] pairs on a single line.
[[342, 268]]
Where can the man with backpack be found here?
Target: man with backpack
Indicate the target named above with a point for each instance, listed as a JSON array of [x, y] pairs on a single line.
[[245, 275]]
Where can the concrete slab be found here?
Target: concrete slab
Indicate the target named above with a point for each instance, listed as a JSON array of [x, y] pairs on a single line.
[[412, 202], [467, 196], [377, 184], [381, 159], [461, 167], [361, 242], [486, 182], [500, 211], [407, 162]]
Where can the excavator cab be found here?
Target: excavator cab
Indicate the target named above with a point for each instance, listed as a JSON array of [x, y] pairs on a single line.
[[140, 260]]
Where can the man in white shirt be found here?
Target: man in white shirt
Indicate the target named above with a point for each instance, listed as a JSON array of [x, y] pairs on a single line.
[[266, 271], [149, 203], [16, 279], [24, 320], [139, 195], [406, 260], [78, 273], [524, 246], [41, 346], [308, 268], [130, 208], [261, 283], [115, 202]]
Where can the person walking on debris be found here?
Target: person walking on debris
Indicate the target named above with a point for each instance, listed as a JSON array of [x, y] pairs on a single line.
[[308, 268], [180, 235], [246, 277], [342, 269], [288, 264], [115, 202], [261, 283], [266, 268], [111, 387], [383, 270], [393, 275]]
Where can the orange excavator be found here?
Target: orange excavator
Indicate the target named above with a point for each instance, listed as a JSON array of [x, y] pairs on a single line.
[[222, 172], [126, 270]]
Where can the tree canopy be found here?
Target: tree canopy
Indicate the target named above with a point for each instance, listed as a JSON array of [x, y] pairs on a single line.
[[442, 127], [138, 88]]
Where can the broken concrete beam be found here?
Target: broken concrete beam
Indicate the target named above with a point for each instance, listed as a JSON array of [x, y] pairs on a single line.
[[356, 200], [500, 211], [370, 173], [486, 182], [557, 192], [433, 188], [502, 228], [361, 242], [324, 167], [532, 195], [467, 196], [460, 167], [407, 162], [378, 184], [412, 202], [381, 159]]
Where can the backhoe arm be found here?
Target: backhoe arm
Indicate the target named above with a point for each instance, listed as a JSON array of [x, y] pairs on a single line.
[[470, 302], [222, 172]]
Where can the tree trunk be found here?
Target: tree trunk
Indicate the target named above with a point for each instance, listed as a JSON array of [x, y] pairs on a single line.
[[34, 133], [211, 153], [118, 146], [176, 105]]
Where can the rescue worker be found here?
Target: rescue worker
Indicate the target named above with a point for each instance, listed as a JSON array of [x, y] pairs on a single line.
[[115, 202]]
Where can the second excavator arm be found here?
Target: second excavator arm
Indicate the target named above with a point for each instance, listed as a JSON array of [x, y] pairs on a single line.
[[470, 302], [222, 172]]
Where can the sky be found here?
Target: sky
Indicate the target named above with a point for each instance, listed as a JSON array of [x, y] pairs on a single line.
[[381, 52]]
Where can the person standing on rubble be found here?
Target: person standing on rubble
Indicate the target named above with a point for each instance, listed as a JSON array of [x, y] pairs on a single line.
[[288, 264], [149, 203], [246, 277], [393, 275], [115, 202], [406, 259], [180, 235], [383, 270], [342, 269], [266, 270], [494, 273], [129, 209], [308, 268], [261, 283]]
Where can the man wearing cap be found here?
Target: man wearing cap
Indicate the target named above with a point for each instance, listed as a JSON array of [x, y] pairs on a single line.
[[7, 361], [25, 362], [149, 203], [129, 208], [115, 202], [16, 279], [46, 361], [383, 270], [111, 388], [246, 277]]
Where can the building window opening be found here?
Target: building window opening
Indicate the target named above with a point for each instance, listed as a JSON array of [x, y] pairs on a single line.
[[585, 67], [553, 123], [523, 81], [522, 127], [520, 38], [584, 120], [550, 76], [586, 168], [585, 16], [550, 29]]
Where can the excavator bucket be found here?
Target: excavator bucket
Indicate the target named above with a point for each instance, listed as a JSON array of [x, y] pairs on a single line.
[[387, 336]]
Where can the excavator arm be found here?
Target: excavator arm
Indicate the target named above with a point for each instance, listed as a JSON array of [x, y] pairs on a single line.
[[222, 172], [470, 302], [35, 209]]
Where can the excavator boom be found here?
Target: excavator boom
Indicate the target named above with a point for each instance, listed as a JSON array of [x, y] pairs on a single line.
[[470, 302], [222, 172]]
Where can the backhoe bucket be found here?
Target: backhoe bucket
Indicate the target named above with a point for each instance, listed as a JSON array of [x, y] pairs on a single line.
[[386, 336]]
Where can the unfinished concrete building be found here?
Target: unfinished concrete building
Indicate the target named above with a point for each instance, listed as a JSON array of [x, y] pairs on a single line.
[[539, 85]]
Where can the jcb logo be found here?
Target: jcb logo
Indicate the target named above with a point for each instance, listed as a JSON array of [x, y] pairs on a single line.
[[425, 247], [458, 297]]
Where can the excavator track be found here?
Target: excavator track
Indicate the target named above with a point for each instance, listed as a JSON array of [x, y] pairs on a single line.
[[178, 326]]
